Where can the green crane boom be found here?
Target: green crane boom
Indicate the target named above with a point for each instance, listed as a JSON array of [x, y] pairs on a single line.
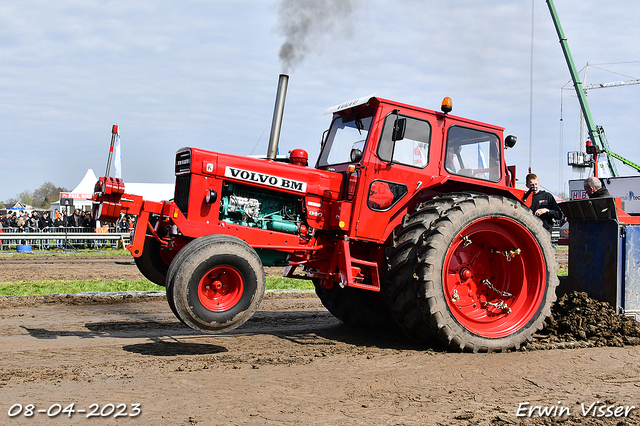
[[596, 133], [614, 155]]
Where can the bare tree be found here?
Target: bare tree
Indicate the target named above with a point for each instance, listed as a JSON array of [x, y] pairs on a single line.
[[46, 194], [41, 198], [26, 197]]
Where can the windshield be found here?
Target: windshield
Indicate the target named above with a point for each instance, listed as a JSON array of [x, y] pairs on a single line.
[[347, 132]]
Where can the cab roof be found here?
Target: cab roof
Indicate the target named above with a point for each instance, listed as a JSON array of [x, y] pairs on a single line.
[[366, 99]]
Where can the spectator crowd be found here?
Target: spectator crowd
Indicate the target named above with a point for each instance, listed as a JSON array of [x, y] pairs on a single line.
[[37, 221], [79, 221]]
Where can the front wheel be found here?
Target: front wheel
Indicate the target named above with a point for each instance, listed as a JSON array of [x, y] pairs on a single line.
[[216, 283], [481, 277]]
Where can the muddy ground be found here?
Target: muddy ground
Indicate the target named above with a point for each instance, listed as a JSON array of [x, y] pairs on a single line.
[[292, 363]]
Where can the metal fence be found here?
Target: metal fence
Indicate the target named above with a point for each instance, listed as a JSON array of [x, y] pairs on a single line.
[[61, 238]]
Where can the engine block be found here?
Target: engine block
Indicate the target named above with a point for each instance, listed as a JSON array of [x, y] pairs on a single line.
[[246, 206]]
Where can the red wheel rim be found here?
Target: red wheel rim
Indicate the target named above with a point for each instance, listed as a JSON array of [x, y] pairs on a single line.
[[494, 277], [221, 288]]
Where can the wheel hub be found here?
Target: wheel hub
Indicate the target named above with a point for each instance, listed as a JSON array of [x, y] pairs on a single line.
[[221, 288], [465, 274]]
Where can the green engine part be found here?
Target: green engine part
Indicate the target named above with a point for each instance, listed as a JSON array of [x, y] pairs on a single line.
[[247, 206], [272, 257], [282, 226]]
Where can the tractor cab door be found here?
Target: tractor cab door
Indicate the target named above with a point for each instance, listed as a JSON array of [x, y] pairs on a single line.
[[393, 173]]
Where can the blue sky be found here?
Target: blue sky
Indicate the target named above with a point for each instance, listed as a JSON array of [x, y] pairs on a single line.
[[204, 74]]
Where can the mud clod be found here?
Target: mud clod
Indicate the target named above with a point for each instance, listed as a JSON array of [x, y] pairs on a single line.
[[576, 317]]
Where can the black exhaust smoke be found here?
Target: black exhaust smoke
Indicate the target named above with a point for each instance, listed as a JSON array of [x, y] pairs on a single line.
[[278, 113]]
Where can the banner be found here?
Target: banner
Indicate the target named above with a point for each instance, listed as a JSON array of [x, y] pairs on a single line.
[[116, 161]]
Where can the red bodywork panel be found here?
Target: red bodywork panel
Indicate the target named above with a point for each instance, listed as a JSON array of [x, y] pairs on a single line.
[[347, 217], [624, 217]]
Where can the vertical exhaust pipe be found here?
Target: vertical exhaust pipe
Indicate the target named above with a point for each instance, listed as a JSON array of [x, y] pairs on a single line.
[[278, 112]]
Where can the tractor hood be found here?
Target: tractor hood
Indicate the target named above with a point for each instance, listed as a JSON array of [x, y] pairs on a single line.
[[276, 175]]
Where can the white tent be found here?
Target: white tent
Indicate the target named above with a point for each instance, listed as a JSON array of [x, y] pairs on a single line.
[[84, 189], [79, 197], [19, 206], [151, 191]]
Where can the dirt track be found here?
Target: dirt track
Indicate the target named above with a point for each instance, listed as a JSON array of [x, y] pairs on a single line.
[[293, 363]]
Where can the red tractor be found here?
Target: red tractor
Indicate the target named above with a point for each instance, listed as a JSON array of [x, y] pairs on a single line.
[[408, 215]]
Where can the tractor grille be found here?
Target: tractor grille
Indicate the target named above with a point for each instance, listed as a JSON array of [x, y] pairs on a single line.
[[183, 184], [183, 162]]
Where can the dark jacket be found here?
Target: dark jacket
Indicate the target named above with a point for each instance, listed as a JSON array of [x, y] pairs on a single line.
[[600, 193], [89, 222], [544, 200], [45, 222], [73, 220]]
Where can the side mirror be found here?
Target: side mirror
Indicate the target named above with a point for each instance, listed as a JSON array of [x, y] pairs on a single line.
[[399, 127], [355, 155], [510, 141]]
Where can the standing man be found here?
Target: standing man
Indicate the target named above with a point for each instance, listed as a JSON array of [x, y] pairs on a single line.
[[594, 189], [45, 221], [73, 220], [543, 205]]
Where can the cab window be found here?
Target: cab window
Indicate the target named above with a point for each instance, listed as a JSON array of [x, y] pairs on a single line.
[[413, 148], [383, 194], [347, 133], [473, 153]]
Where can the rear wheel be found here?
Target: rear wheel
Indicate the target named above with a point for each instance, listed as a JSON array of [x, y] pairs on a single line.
[[355, 307], [481, 276], [215, 283]]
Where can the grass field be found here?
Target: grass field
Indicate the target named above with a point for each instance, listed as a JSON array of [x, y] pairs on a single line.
[[39, 288]]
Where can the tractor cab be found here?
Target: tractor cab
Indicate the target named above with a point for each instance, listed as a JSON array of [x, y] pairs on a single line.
[[393, 156]]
